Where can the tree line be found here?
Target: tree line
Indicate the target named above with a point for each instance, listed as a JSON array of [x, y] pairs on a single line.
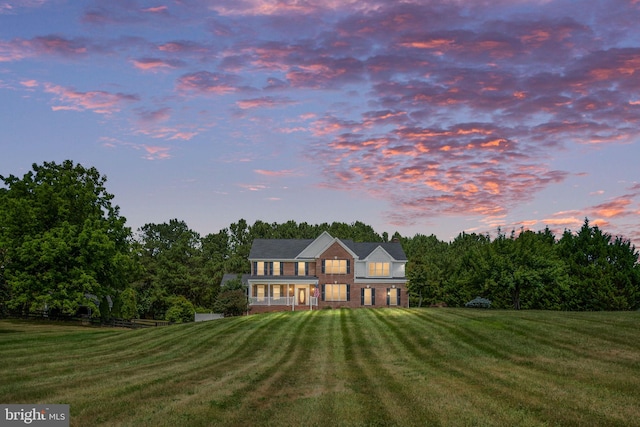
[[586, 270], [64, 246]]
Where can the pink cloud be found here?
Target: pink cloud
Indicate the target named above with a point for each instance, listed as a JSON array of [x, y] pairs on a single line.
[[253, 187], [264, 102], [156, 9], [154, 64], [50, 45], [100, 102], [204, 82], [150, 152], [276, 174], [154, 116], [29, 83], [156, 152], [614, 208], [168, 133]]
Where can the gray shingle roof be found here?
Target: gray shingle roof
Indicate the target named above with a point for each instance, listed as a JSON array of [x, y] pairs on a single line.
[[363, 249], [290, 248], [278, 248]]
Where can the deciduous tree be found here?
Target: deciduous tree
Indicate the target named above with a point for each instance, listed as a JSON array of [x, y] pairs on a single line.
[[61, 240]]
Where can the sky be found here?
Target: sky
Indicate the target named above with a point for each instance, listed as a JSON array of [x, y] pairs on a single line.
[[418, 116]]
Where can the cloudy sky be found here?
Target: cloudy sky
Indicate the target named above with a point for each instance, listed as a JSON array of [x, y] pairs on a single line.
[[415, 116]]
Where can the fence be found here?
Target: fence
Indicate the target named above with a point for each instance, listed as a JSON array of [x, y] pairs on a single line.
[[85, 320]]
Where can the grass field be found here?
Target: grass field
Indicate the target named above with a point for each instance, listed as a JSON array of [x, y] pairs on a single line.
[[369, 367]]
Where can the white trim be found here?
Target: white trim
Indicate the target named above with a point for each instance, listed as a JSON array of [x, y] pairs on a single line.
[[380, 280]]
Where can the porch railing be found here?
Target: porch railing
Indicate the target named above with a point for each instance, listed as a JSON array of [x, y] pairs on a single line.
[[271, 300], [279, 301]]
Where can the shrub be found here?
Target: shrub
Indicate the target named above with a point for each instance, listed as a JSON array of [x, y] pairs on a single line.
[[129, 308], [180, 310], [231, 303], [478, 303]]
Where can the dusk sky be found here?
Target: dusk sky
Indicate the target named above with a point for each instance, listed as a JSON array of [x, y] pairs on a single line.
[[431, 117]]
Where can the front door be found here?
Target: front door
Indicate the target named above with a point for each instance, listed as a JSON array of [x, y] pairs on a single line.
[[302, 296]]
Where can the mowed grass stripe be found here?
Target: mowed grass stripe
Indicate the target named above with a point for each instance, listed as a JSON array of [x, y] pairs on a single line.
[[449, 384], [534, 380], [389, 352], [198, 380], [362, 367]]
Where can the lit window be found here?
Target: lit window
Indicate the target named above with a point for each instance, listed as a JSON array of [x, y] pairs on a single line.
[[301, 269], [276, 268], [335, 292], [276, 292], [368, 296], [378, 269], [393, 296], [260, 292], [336, 266], [259, 268]]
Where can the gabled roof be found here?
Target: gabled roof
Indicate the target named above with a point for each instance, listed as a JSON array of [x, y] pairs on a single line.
[[278, 248], [364, 249], [290, 249]]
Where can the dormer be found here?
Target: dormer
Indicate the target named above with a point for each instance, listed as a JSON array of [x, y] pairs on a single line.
[[379, 263]]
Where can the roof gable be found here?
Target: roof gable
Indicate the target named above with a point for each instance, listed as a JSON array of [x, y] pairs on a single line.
[[317, 246], [393, 249], [379, 254]]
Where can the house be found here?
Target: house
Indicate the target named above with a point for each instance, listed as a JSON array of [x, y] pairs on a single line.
[[303, 274]]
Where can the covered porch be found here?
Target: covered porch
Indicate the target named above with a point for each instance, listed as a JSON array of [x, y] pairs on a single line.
[[271, 293]]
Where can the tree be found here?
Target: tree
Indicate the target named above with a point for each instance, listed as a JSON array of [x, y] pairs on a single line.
[[232, 299], [175, 265], [426, 269], [604, 274], [62, 241]]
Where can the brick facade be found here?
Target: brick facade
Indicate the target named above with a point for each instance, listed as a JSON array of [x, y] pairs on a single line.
[[336, 289]]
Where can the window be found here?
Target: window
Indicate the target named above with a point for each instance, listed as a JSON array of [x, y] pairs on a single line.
[[302, 269], [260, 292], [262, 268], [335, 292], [335, 266], [368, 296], [378, 269], [277, 268], [393, 296], [277, 291]]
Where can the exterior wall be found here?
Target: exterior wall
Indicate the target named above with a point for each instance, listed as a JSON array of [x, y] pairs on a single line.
[[289, 269], [380, 298], [336, 250]]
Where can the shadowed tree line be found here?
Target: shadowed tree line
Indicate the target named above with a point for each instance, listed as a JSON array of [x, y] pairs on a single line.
[[587, 270], [65, 247]]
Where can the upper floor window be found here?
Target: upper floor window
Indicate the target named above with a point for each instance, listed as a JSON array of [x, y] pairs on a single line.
[[302, 268], [270, 268], [336, 266], [379, 268]]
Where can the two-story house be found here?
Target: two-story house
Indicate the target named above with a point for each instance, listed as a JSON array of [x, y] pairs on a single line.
[[292, 274]]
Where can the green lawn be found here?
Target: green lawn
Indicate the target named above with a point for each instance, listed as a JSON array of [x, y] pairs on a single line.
[[346, 367]]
